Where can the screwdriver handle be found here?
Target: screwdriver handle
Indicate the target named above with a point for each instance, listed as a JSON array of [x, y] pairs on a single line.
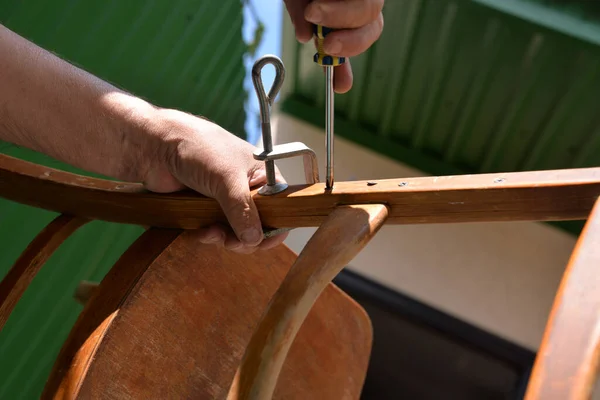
[[321, 57]]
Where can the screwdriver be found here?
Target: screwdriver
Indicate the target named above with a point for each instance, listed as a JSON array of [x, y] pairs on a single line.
[[329, 62]]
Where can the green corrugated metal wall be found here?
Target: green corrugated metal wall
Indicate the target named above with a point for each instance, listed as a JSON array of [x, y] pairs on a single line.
[[481, 85], [183, 54], [469, 86]]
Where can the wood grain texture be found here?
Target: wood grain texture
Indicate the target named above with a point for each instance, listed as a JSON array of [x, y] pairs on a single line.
[[183, 328], [341, 237], [566, 367], [31, 261], [523, 196], [75, 356]]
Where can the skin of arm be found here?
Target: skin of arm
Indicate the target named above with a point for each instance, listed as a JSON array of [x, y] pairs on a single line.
[[55, 108]]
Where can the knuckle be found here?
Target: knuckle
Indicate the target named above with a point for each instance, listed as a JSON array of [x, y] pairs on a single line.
[[235, 201]]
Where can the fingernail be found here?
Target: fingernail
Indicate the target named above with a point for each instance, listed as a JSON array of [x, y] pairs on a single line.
[[233, 245], [251, 236], [213, 238], [303, 39], [314, 15], [333, 47]]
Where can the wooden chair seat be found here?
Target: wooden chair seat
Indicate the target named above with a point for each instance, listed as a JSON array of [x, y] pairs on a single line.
[[178, 328]]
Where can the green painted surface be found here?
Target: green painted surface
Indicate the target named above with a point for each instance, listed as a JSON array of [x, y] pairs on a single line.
[[469, 86], [183, 54]]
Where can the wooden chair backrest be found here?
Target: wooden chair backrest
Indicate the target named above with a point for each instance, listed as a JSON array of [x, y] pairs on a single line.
[[178, 319]]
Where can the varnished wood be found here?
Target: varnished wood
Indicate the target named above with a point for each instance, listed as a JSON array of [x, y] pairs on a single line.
[[31, 261], [178, 329], [523, 196], [566, 367], [341, 237], [74, 358], [146, 309]]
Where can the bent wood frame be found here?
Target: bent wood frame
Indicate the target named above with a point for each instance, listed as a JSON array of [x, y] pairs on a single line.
[[564, 369], [522, 196]]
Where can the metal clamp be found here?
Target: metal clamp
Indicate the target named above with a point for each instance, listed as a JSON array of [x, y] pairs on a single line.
[[271, 153]]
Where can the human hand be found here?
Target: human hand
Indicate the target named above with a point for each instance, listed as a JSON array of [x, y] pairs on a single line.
[[198, 154], [360, 23], [88, 123]]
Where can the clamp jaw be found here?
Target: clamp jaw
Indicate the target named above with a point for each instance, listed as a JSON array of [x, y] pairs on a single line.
[[270, 153]]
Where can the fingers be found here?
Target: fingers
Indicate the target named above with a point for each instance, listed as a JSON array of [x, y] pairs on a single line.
[[232, 204], [223, 236], [359, 24], [352, 42], [342, 78], [273, 241], [346, 14], [214, 234], [257, 176], [303, 28], [239, 208]]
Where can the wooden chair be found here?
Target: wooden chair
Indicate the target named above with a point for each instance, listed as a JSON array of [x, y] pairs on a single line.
[[178, 319]]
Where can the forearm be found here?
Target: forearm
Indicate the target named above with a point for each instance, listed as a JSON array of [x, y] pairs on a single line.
[[50, 106]]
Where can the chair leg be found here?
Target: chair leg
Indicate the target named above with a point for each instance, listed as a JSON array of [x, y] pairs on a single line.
[[337, 241]]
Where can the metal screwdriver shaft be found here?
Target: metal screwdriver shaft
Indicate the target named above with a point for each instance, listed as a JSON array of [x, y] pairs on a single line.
[[329, 62], [329, 117]]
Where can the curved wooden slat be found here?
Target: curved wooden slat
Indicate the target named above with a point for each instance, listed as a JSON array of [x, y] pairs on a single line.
[[337, 241], [31, 261], [180, 329], [566, 367], [523, 196]]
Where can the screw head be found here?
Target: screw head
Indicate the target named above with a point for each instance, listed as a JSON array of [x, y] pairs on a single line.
[[499, 180], [403, 184]]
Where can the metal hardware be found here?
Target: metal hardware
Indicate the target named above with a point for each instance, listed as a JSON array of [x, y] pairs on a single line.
[[329, 117], [329, 62], [274, 232], [270, 153], [265, 101], [293, 149]]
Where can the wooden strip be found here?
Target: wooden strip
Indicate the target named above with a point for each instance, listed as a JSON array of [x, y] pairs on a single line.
[[524, 196], [32, 259], [337, 241], [567, 363], [76, 354]]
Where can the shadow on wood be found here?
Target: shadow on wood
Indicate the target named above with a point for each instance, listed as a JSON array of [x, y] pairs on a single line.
[[176, 325]]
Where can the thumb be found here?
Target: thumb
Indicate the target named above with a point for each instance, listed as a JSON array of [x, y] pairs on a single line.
[[234, 198], [296, 10]]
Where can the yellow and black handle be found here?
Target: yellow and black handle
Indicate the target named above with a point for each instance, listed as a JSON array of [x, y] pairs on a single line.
[[321, 57]]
